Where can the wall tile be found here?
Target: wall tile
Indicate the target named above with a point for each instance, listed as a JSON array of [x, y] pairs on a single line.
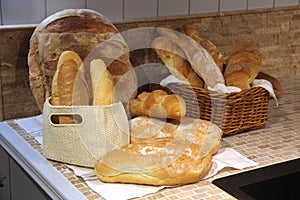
[[140, 8], [200, 6], [227, 5], [279, 3], [54, 6], [0, 14], [22, 12], [253, 4], [173, 7], [112, 9]]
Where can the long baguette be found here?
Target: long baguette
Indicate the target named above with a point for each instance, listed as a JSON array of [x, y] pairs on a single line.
[[201, 61], [102, 83], [173, 57]]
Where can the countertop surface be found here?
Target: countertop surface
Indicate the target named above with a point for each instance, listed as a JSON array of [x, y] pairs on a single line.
[[275, 142]]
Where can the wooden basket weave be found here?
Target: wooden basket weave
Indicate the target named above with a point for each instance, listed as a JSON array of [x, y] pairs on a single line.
[[232, 112]]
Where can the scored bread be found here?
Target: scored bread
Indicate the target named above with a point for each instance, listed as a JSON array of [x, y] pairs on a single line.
[[201, 132], [164, 162], [192, 32], [157, 103], [242, 65], [102, 83], [173, 57]]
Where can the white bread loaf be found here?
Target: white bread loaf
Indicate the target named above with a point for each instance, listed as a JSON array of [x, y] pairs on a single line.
[[204, 133], [157, 103], [242, 65], [102, 83], [161, 163]]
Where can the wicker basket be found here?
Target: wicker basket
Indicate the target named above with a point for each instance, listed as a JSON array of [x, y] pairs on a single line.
[[232, 112]]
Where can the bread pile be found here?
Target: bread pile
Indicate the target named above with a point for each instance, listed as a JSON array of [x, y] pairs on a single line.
[[194, 59], [88, 34], [162, 153]]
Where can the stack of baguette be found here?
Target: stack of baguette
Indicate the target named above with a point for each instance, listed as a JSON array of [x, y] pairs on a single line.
[[194, 59]]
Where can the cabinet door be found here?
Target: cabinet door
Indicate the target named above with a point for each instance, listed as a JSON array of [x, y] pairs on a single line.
[[22, 186], [4, 172]]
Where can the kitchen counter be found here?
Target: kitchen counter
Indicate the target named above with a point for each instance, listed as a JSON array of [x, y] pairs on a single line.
[[276, 142]]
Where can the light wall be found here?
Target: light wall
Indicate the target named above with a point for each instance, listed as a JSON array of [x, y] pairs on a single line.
[[34, 11]]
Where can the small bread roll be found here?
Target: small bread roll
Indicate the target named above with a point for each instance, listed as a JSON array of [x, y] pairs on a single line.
[[243, 65], [158, 103], [102, 83]]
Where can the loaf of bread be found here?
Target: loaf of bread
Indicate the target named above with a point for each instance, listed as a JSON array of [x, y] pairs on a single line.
[[65, 57], [242, 65], [78, 30], [160, 163], [157, 103], [199, 58], [201, 132], [274, 81], [102, 83], [174, 59], [192, 32]]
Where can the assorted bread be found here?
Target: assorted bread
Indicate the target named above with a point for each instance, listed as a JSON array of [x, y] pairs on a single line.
[[81, 31], [86, 62]]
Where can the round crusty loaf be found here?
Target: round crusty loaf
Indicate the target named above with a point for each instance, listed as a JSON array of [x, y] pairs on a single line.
[[164, 162], [78, 30]]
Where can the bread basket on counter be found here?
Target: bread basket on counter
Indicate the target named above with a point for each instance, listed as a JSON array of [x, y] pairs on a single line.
[[232, 112]]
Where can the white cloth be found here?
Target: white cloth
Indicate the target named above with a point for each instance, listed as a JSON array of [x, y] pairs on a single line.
[[221, 88]]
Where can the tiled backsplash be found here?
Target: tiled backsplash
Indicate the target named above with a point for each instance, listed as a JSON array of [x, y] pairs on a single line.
[[34, 11]]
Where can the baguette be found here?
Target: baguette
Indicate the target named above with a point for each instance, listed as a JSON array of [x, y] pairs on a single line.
[[243, 65], [157, 103], [102, 83], [201, 61], [66, 56], [173, 57], [65, 83], [161, 163], [192, 32]]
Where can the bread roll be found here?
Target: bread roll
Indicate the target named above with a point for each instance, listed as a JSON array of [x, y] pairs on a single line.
[[201, 61], [243, 65], [192, 32], [274, 81], [161, 163], [157, 103], [201, 132], [173, 57], [102, 83], [78, 30]]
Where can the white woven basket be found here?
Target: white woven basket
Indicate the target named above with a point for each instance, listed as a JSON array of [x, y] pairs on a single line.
[[102, 129]]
